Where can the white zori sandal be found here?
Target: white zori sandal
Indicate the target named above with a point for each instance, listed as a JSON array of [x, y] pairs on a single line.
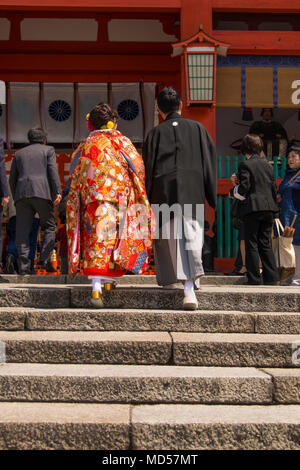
[[108, 284]]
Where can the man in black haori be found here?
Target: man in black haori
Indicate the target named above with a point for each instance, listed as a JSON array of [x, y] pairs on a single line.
[[272, 133], [181, 171]]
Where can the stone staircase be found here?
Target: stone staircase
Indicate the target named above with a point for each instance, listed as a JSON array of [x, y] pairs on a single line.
[[144, 374]]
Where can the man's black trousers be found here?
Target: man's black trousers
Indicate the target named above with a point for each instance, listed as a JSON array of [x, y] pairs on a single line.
[[258, 227], [25, 211]]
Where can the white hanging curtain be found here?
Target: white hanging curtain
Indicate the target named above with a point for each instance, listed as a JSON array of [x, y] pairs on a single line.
[[58, 109], [89, 94], [59, 112], [2, 92], [127, 101], [24, 110]]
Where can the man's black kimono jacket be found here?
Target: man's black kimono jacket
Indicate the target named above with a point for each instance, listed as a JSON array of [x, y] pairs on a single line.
[[180, 163]]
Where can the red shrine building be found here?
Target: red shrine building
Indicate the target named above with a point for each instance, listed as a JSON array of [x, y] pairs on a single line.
[[228, 58]]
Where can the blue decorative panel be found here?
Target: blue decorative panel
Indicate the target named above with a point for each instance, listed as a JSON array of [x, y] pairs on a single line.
[[259, 61]]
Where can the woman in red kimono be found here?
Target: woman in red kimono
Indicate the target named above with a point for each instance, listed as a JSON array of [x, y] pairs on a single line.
[[108, 213]]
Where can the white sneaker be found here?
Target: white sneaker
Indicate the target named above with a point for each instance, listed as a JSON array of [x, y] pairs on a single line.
[[190, 301]]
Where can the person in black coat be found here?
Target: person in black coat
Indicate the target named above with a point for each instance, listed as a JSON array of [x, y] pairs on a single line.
[[36, 188], [269, 131], [255, 188], [4, 191], [181, 171]]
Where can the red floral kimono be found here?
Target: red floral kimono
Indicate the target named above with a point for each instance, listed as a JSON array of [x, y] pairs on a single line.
[[108, 213]]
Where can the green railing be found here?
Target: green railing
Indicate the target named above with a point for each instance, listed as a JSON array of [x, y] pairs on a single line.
[[227, 235]]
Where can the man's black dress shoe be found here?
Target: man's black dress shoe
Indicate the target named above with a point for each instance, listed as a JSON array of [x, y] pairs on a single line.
[[49, 268]]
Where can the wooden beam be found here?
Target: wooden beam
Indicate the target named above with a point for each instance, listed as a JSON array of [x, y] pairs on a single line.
[[268, 6], [77, 47], [260, 42], [163, 16], [95, 5], [88, 63], [167, 78], [95, 68]]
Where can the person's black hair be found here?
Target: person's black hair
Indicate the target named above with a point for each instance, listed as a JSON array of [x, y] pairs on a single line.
[[295, 149], [168, 100], [101, 114], [37, 135], [263, 110], [251, 145]]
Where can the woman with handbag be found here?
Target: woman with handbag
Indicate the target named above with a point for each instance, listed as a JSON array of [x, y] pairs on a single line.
[[256, 192], [108, 213], [289, 199]]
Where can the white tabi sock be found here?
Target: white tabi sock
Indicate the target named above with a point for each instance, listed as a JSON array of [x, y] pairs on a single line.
[[97, 284], [189, 288]]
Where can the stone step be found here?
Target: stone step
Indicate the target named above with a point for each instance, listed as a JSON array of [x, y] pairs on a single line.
[[61, 426], [245, 298], [134, 384], [64, 426], [235, 350], [18, 318], [123, 347], [216, 427], [124, 280], [206, 321], [87, 347], [286, 384]]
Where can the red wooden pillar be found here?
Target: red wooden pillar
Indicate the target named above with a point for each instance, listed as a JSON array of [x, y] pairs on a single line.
[[193, 14], [196, 13]]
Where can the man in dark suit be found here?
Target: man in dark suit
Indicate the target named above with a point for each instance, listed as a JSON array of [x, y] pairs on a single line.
[[4, 191], [36, 188], [181, 172], [255, 188]]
